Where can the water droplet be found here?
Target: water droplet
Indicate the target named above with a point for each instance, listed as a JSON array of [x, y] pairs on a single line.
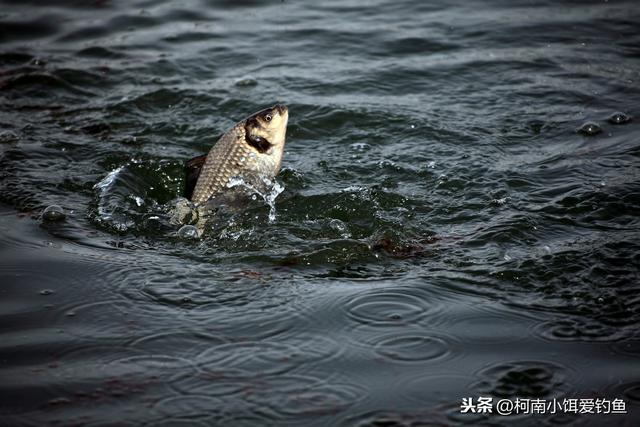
[[8, 136], [589, 129], [130, 139], [246, 82], [360, 146], [38, 62], [188, 232], [499, 202], [53, 213], [618, 118], [139, 200], [59, 400], [271, 199]]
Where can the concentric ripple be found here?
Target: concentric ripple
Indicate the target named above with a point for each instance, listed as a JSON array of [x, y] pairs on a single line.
[[301, 396], [412, 348], [252, 358], [192, 407], [388, 307], [578, 329]]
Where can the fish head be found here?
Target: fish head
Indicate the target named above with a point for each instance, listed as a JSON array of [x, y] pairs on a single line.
[[266, 130]]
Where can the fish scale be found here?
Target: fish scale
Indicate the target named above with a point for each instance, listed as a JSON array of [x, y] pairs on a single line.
[[216, 171]]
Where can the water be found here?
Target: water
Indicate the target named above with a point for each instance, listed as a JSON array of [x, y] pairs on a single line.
[[447, 226]]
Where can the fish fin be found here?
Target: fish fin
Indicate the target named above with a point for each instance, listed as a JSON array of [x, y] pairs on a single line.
[[192, 168]]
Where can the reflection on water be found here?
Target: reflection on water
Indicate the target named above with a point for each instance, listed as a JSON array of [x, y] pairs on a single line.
[[457, 213]]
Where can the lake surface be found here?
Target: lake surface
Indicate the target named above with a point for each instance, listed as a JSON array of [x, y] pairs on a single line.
[[460, 214]]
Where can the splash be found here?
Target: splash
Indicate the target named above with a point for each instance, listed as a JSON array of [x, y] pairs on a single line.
[[108, 180], [106, 210], [272, 190]]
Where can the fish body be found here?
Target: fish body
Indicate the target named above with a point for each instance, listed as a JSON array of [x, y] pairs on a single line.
[[250, 151]]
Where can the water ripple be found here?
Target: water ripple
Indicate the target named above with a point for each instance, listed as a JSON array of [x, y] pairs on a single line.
[[300, 396], [389, 307], [443, 228], [523, 378], [252, 358], [411, 347]]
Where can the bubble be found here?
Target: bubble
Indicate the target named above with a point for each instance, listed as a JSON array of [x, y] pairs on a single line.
[[618, 118], [53, 213], [188, 232], [589, 129], [337, 225]]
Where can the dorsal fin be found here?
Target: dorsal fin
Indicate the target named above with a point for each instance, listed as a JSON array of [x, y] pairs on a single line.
[[193, 167]]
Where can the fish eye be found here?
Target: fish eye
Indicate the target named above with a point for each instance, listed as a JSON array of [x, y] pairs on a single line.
[[268, 117]]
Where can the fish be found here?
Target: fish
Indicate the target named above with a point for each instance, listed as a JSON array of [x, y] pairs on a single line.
[[251, 151]]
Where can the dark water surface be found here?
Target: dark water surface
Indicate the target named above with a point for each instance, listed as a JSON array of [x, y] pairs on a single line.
[[446, 230]]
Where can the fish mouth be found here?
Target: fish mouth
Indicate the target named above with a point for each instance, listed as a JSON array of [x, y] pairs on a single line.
[[281, 108]]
